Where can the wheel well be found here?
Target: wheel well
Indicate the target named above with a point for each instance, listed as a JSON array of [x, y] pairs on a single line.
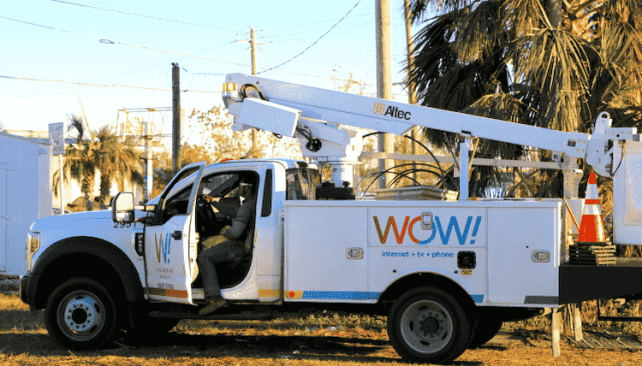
[[77, 265], [403, 285], [91, 258]]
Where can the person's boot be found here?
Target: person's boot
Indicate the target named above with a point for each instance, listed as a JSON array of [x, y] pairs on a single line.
[[213, 304]]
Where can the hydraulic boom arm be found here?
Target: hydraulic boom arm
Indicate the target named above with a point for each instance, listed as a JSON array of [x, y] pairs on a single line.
[[314, 114]]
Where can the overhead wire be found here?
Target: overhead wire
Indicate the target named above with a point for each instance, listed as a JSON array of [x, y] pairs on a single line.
[[315, 42], [145, 16], [52, 89], [300, 26], [108, 41], [202, 25], [99, 85]]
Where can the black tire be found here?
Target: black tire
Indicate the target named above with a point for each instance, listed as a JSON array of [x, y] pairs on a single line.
[[485, 330], [81, 314], [428, 325]]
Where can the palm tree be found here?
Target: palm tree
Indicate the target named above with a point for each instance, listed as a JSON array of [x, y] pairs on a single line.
[[554, 64], [547, 63], [103, 152], [80, 161], [116, 159]]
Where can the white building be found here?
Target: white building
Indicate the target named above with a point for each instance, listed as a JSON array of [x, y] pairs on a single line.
[[27, 168], [71, 187], [25, 195]]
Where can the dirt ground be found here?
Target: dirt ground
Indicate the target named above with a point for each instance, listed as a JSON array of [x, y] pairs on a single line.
[[333, 340], [264, 348]]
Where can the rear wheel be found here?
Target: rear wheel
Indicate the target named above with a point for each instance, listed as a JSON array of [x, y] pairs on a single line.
[[81, 314], [428, 325]]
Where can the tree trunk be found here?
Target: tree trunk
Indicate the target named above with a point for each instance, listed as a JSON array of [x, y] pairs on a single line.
[[555, 12]]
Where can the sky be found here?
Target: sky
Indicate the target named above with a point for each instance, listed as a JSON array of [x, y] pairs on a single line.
[[112, 55]]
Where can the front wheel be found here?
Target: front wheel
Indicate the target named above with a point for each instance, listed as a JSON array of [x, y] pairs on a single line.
[[81, 314], [428, 325]]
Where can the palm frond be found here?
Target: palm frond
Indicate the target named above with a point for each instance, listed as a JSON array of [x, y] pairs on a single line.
[[420, 8], [501, 106], [479, 33], [523, 17], [556, 63]]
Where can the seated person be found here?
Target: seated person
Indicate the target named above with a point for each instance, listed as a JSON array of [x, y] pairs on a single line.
[[224, 247]]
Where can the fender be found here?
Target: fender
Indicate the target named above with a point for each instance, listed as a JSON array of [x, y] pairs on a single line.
[[410, 278], [100, 248]]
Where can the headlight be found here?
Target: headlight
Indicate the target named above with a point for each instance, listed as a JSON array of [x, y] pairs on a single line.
[[33, 243]]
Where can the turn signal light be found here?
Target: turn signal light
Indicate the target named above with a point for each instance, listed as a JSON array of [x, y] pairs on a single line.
[[229, 87]]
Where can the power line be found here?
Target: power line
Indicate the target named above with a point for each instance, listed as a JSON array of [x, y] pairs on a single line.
[[320, 43], [315, 42], [48, 90], [204, 26], [100, 85], [300, 26], [144, 16], [50, 28], [109, 41]]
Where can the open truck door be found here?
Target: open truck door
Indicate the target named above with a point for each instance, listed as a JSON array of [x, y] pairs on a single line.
[[170, 239]]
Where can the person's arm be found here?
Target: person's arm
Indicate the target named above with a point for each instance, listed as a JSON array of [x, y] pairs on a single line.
[[239, 223], [226, 206]]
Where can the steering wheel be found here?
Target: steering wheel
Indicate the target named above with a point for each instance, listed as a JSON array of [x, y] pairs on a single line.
[[205, 211]]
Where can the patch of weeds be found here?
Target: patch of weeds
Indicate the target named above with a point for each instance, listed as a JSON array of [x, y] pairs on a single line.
[[9, 285]]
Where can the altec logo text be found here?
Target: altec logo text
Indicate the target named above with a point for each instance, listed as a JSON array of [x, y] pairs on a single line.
[[390, 111], [409, 227]]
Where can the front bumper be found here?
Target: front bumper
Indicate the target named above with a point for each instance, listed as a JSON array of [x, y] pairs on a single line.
[[28, 289]]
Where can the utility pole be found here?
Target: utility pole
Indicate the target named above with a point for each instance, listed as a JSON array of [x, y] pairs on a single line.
[[412, 97], [149, 171], [253, 45], [253, 50], [385, 142], [176, 114]]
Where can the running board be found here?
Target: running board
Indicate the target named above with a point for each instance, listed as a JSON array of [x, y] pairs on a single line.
[[246, 315]]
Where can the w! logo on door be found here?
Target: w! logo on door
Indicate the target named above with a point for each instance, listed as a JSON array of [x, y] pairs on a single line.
[[163, 247]]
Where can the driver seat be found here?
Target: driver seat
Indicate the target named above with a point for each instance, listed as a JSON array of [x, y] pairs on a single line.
[[248, 235], [225, 269]]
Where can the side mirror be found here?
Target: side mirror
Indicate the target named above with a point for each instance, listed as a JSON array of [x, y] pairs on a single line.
[[122, 210]]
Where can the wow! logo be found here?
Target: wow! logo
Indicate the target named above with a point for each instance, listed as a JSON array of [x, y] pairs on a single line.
[[163, 247], [437, 228]]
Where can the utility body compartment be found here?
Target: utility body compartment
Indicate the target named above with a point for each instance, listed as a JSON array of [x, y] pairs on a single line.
[[502, 253]]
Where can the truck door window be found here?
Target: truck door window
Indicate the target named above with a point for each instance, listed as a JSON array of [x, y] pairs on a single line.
[[177, 204], [302, 183]]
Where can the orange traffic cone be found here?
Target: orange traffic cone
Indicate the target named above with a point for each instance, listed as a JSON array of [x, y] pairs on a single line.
[[592, 224]]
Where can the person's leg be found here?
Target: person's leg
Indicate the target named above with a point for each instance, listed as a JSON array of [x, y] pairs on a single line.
[[206, 267], [223, 252]]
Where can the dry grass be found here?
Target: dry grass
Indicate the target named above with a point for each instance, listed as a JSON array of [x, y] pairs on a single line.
[[312, 339], [589, 318], [321, 338]]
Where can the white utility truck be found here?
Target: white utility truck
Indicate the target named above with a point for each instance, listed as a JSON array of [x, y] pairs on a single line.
[[447, 273]]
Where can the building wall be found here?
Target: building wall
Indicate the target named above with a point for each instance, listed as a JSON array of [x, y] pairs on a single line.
[[27, 195], [71, 187]]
